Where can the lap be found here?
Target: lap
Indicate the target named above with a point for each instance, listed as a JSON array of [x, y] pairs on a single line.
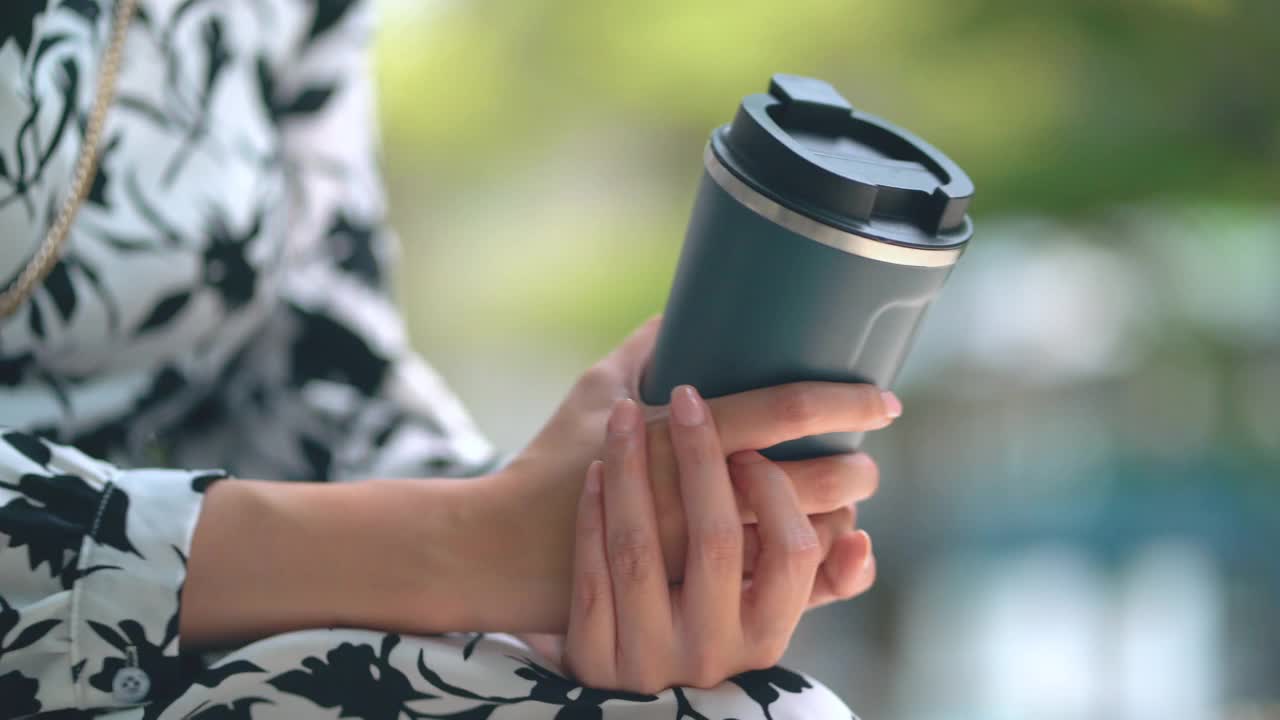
[[379, 676]]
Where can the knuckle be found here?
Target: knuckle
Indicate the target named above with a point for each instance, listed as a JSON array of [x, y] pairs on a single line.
[[802, 560], [632, 554], [798, 405], [708, 679], [795, 544], [588, 674], [642, 670], [801, 543], [706, 682], [593, 590], [720, 544], [705, 667], [592, 675], [650, 687], [644, 681], [592, 678], [769, 651]]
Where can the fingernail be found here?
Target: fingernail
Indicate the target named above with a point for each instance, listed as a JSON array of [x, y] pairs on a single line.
[[746, 457], [859, 458], [686, 407], [868, 565], [592, 485], [871, 556], [625, 417], [892, 405]]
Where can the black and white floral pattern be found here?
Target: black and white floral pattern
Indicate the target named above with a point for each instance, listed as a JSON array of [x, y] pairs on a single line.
[[223, 303]]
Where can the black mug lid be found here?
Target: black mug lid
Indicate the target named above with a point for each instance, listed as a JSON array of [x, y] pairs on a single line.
[[808, 149]]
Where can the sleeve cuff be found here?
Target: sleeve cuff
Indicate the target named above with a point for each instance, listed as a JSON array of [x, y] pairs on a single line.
[[124, 615]]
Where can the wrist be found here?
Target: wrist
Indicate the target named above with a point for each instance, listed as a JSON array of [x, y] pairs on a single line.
[[528, 548], [415, 556], [488, 553], [430, 554]]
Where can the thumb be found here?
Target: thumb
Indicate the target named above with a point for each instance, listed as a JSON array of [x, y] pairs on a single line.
[[631, 357]]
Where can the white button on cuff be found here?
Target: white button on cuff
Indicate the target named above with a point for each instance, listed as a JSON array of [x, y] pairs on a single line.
[[130, 685]]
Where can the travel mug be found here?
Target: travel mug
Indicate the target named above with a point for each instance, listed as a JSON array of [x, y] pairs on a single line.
[[819, 236]]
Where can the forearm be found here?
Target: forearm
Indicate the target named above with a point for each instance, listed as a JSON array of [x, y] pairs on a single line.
[[397, 555]]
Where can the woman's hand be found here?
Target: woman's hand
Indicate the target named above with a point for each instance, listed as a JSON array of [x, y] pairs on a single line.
[[628, 628], [542, 484]]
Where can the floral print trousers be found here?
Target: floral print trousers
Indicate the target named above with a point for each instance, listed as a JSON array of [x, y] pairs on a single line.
[[380, 676]]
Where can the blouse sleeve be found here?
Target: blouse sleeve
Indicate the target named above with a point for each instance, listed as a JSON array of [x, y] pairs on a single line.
[[331, 388], [92, 561]]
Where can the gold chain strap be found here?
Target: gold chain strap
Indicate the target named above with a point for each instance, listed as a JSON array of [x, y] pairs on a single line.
[[49, 252]]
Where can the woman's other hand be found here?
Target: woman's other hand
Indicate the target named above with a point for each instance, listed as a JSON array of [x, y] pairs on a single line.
[[628, 628]]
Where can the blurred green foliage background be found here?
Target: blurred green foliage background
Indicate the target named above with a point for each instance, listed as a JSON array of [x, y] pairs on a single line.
[[1097, 395], [1058, 108]]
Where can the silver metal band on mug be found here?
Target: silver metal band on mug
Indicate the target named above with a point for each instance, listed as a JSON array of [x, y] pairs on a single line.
[[805, 226]]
